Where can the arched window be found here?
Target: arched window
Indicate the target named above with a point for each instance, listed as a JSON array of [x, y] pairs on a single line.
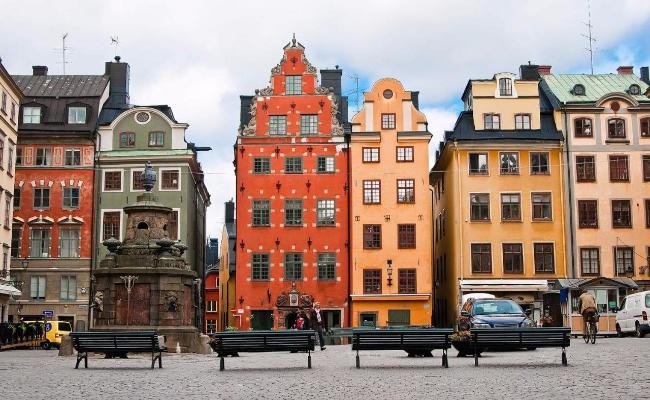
[[645, 127], [616, 128], [505, 86], [634, 89], [579, 90], [583, 127]]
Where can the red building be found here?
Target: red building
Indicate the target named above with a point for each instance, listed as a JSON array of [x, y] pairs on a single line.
[[291, 162], [211, 286]]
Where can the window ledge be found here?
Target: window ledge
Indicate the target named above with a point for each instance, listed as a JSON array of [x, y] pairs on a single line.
[[511, 221], [617, 141], [542, 220]]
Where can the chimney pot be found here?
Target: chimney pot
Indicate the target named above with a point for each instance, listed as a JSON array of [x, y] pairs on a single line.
[[544, 70], [39, 70], [645, 75], [625, 69]]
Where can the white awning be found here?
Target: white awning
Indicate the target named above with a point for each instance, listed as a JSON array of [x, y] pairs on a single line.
[[504, 285], [9, 290]]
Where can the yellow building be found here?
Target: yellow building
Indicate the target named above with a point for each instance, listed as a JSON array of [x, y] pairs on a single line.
[[498, 200], [228, 316], [390, 210]]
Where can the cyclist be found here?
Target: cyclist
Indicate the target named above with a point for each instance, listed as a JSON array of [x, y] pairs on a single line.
[[587, 306]]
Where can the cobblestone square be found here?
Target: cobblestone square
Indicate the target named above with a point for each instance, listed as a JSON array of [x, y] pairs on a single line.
[[613, 368]]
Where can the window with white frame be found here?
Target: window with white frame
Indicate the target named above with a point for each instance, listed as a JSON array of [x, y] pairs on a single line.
[[31, 115], [69, 240], [277, 125], [77, 115], [37, 287], [68, 287], [170, 179], [39, 243], [325, 165], [293, 84], [72, 157]]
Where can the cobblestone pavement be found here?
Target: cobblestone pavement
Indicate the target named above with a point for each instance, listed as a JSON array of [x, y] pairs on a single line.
[[613, 368]]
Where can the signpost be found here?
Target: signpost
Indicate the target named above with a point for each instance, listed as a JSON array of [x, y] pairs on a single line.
[[48, 313]]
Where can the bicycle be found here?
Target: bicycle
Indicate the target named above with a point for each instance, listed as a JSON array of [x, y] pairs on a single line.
[[592, 329]]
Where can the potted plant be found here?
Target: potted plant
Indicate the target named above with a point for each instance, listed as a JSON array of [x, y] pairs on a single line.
[[462, 341]]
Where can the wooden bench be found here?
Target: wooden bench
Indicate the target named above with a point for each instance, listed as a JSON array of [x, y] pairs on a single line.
[[262, 341], [117, 343], [520, 338], [416, 340]]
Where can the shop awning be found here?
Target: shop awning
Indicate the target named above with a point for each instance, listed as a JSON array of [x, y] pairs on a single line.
[[9, 290], [504, 285], [597, 281]]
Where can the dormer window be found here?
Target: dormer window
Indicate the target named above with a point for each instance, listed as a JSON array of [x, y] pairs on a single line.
[[77, 115], [293, 84], [634, 90], [505, 86], [579, 90], [31, 115]]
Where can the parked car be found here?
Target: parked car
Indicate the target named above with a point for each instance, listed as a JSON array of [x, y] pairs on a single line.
[[54, 331], [493, 313], [632, 316]]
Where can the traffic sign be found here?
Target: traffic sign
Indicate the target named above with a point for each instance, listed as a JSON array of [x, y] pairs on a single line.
[[48, 313]]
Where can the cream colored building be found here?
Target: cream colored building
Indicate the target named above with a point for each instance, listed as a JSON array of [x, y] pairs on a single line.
[[10, 98]]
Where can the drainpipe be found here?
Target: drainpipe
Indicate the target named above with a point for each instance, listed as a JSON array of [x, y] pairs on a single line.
[[569, 187], [349, 219], [94, 234], [461, 227]]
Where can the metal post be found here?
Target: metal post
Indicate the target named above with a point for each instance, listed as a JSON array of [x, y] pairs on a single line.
[[129, 281]]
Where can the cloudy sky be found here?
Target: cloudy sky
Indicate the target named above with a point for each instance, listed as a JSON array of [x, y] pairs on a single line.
[[199, 56]]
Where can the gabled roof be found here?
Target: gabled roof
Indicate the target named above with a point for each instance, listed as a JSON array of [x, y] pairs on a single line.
[[62, 85], [464, 130], [596, 86]]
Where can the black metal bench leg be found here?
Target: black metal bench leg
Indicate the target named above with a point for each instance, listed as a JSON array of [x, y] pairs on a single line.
[[160, 360], [308, 359], [445, 361], [222, 364], [564, 360], [153, 360], [475, 356], [79, 358], [358, 360], [86, 360]]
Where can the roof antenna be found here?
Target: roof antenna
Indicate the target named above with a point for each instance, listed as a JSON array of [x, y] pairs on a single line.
[[357, 94], [63, 50], [115, 41], [590, 37]]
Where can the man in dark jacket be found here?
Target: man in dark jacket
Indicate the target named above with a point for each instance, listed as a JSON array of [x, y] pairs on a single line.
[[317, 324]]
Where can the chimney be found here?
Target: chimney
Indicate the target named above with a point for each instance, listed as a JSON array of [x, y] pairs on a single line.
[[331, 78], [529, 72], [244, 112], [39, 70], [118, 74], [645, 75], [230, 211], [415, 98], [544, 70], [625, 69]]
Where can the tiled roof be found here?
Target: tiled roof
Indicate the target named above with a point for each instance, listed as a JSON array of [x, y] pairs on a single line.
[[596, 86], [464, 130], [62, 85]]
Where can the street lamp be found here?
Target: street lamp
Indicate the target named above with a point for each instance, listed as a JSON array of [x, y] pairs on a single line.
[[389, 262], [24, 262]]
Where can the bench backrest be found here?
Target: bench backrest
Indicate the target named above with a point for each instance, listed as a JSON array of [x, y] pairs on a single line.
[[261, 341], [115, 341], [523, 337], [401, 339]]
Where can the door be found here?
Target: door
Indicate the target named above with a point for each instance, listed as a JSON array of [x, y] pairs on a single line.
[[552, 305], [332, 319], [132, 309], [262, 320], [399, 317]]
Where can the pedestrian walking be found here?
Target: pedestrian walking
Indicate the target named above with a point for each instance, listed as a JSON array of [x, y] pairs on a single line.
[[317, 324]]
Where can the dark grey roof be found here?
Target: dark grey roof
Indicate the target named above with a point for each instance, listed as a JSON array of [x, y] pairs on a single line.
[[108, 115], [464, 130], [62, 85], [231, 229]]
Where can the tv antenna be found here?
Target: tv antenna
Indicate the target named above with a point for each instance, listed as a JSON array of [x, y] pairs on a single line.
[[590, 37], [115, 42], [356, 92], [63, 50]]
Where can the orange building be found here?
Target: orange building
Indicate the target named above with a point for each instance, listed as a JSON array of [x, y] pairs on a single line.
[[292, 220], [391, 239]]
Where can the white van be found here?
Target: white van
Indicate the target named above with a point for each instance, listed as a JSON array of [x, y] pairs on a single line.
[[632, 317]]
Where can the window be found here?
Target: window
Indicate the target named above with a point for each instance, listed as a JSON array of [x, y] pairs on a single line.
[[293, 266], [588, 213], [372, 281], [39, 243], [539, 164], [645, 127], [505, 87], [372, 192], [112, 181], [309, 124], [17, 193], [634, 90], [69, 242], [513, 260], [510, 207], [542, 209], [72, 157], [480, 206], [326, 266], [406, 279], [406, 236], [293, 212], [544, 258], [616, 128], [68, 288], [522, 121], [325, 213], [582, 127], [325, 165], [260, 267], [77, 115], [10, 161], [43, 156], [156, 139], [38, 287], [624, 260], [478, 164], [70, 198], [2, 149], [19, 156], [41, 198], [621, 214], [293, 165], [136, 180], [278, 125], [387, 121], [492, 121], [579, 90], [293, 84], [3, 107], [509, 163], [585, 168], [16, 238], [31, 115], [210, 326], [8, 202], [371, 236], [13, 111], [404, 154], [618, 169], [261, 165], [261, 213], [406, 191], [111, 225], [170, 179], [647, 214], [127, 139], [590, 261], [481, 258], [371, 154], [172, 225], [211, 306], [645, 160]]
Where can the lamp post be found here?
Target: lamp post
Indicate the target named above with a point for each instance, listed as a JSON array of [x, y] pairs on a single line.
[[389, 269]]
